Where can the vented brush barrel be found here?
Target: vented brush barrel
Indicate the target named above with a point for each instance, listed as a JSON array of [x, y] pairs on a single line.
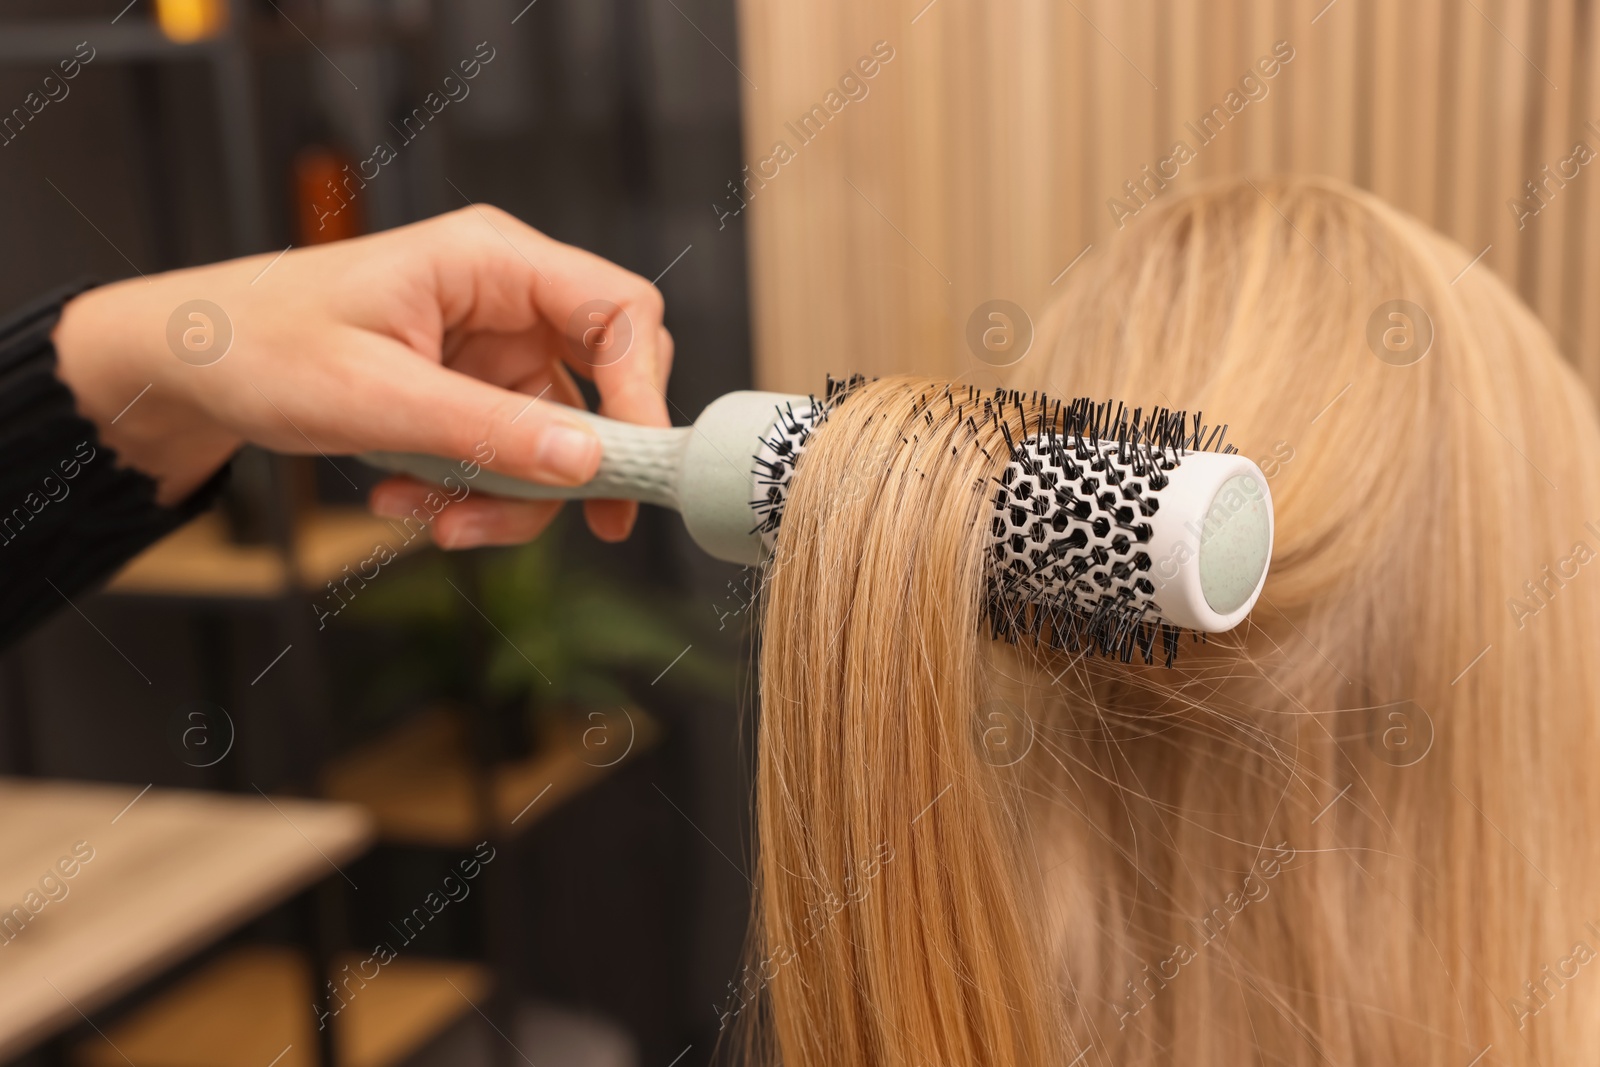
[[1122, 532], [1147, 534]]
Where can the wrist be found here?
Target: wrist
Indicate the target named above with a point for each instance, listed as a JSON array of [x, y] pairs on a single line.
[[109, 353]]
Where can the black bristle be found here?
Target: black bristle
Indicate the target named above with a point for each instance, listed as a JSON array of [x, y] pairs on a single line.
[[1087, 464]]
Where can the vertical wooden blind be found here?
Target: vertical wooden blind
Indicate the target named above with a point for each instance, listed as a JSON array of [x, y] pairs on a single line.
[[983, 157]]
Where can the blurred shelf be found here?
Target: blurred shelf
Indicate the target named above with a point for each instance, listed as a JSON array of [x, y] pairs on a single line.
[[252, 1007], [29, 41], [198, 559], [137, 38], [352, 32], [169, 872], [419, 784]]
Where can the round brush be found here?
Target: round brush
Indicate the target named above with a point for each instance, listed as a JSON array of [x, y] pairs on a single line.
[[1112, 530]]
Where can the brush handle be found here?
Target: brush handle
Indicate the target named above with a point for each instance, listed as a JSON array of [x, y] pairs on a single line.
[[641, 463], [706, 472]]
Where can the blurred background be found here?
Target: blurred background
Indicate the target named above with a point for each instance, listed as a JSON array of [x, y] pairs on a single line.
[[572, 704], [493, 807]]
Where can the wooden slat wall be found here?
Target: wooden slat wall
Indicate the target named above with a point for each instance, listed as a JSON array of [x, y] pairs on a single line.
[[1581, 339], [981, 161]]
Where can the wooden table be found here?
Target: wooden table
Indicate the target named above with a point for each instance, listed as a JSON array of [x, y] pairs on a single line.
[[198, 559], [172, 870]]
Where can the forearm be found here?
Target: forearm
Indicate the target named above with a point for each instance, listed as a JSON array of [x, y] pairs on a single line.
[[71, 512]]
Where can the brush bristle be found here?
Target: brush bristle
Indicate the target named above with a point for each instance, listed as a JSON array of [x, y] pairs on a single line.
[[781, 449]]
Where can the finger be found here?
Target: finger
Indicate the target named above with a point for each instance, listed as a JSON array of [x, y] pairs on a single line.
[[664, 352], [416, 405], [528, 361], [466, 523], [482, 520], [397, 497], [503, 275], [632, 384], [563, 391], [499, 358], [611, 520], [502, 359]]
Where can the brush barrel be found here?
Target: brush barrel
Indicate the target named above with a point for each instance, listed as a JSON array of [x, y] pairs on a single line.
[[1118, 536]]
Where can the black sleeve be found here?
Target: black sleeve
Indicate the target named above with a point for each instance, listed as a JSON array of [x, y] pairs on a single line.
[[69, 515]]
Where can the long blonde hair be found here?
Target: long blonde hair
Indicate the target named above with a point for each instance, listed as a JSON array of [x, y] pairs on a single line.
[[1356, 830]]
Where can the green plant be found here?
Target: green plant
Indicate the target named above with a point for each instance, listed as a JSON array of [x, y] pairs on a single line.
[[569, 635]]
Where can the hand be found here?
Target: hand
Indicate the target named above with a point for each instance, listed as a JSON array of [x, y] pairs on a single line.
[[428, 338]]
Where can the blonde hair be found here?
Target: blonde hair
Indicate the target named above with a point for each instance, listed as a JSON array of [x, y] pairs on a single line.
[[1355, 830]]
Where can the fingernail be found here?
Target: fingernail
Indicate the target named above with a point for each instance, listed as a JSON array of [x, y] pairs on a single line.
[[567, 454]]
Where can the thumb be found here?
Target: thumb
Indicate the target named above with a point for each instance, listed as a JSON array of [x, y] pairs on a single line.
[[430, 408]]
